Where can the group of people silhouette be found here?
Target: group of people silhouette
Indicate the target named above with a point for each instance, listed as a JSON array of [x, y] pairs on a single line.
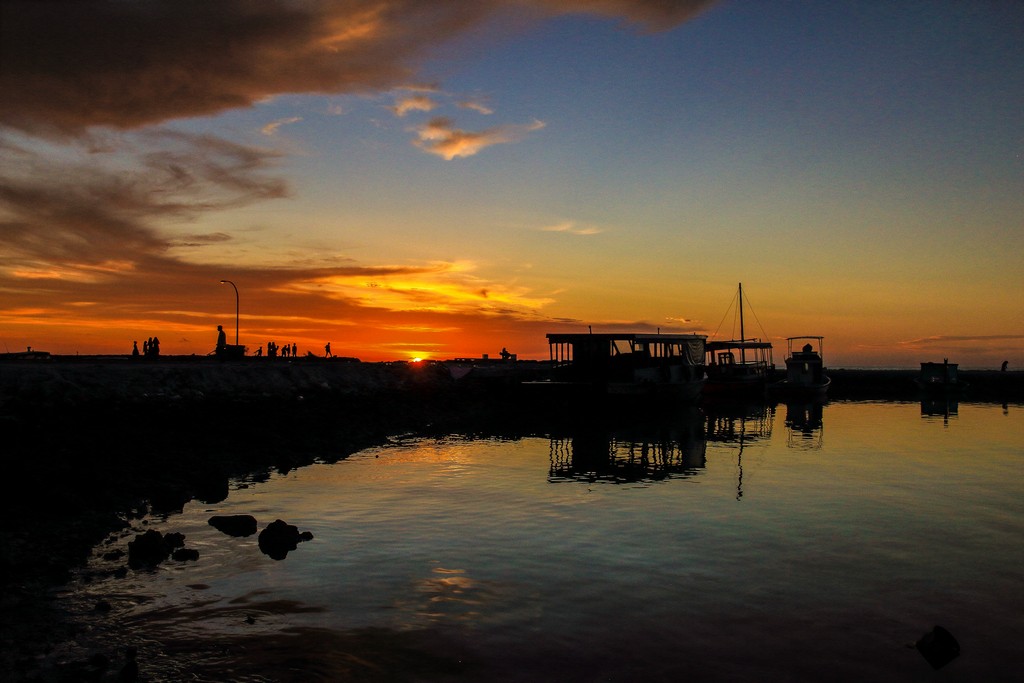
[[150, 348], [273, 350]]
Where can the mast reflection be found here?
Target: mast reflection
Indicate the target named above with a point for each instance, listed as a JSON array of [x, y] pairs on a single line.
[[739, 424], [643, 452]]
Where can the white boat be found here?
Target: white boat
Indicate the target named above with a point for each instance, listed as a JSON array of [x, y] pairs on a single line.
[[805, 368]]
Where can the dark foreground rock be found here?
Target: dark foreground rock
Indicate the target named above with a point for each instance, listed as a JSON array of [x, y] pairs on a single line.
[[280, 538], [234, 525], [939, 647], [151, 548]]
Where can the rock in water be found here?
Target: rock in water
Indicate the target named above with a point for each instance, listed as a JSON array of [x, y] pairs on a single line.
[[939, 647], [173, 539], [147, 549], [234, 525], [152, 548], [185, 555], [279, 538]]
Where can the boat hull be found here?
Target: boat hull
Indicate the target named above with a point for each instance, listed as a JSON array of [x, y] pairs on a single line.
[[789, 388], [940, 388]]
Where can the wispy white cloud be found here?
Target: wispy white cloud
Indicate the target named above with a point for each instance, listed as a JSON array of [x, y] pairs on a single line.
[[477, 106], [439, 136], [953, 339], [272, 127], [573, 228], [413, 103]]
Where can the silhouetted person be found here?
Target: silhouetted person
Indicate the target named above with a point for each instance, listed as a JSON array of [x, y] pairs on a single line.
[[1005, 363], [145, 346], [259, 352], [222, 341], [135, 351], [505, 355], [327, 351], [154, 346], [295, 350]]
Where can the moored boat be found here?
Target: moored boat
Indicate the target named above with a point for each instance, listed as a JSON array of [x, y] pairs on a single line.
[[670, 365], [941, 377], [805, 368]]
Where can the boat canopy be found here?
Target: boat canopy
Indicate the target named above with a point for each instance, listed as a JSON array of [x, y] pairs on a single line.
[[723, 353], [599, 349], [808, 347], [939, 373]]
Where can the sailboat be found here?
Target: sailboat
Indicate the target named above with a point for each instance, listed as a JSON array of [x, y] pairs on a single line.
[[738, 367]]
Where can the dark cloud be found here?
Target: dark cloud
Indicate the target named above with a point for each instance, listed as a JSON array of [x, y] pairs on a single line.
[[201, 240], [69, 65], [86, 212]]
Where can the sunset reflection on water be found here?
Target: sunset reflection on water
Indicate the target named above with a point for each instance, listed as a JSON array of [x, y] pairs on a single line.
[[737, 542]]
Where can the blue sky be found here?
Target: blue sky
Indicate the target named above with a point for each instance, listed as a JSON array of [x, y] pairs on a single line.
[[858, 165]]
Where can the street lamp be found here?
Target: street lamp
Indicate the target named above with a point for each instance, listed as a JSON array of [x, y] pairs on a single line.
[[229, 282]]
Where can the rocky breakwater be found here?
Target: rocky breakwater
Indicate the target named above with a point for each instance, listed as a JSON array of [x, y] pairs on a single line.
[[92, 444], [90, 436]]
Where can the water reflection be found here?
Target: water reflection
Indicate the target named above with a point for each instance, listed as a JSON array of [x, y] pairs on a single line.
[[644, 451], [739, 424], [804, 425], [943, 405]]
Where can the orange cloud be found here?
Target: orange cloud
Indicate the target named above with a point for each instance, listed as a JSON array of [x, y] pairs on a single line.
[[272, 127], [437, 287], [413, 103], [439, 137]]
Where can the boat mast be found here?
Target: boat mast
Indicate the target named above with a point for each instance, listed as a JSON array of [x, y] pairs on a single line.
[[743, 352], [741, 312]]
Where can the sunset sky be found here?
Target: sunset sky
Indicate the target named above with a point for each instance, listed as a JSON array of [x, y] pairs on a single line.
[[443, 179]]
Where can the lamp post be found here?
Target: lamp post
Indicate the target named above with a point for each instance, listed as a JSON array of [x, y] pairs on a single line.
[[229, 282]]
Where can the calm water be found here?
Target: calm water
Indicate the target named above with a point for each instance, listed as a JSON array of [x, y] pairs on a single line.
[[788, 544]]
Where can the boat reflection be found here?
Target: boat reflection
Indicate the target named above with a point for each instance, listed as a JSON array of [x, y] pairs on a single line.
[[642, 452], [937, 405], [738, 422], [805, 425]]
